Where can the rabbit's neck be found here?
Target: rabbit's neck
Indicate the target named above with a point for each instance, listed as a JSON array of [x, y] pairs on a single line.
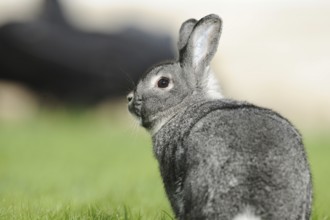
[[163, 118], [160, 123]]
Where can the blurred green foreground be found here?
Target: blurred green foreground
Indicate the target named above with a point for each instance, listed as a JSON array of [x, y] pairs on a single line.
[[99, 165]]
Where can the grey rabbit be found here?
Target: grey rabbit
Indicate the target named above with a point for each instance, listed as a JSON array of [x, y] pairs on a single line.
[[219, 158]]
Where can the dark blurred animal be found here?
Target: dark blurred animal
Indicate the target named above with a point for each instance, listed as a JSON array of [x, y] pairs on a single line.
[[56, 59]]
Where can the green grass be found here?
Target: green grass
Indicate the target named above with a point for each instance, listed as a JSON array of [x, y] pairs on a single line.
[[78, 166], [318, 149], [82, 165]]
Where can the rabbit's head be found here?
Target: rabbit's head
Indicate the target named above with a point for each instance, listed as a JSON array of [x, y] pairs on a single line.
[[168, 87]]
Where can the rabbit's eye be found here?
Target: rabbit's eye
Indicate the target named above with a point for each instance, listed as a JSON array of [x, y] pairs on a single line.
[[163, 82]]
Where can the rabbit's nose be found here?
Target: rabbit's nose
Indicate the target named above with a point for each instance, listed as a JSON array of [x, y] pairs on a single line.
[[130, 97]]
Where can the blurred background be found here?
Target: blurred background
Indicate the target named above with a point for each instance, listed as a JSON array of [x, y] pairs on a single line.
[[66, 139]]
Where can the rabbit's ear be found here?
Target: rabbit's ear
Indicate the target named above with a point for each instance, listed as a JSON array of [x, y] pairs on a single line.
[[202, 43], [185, 31]]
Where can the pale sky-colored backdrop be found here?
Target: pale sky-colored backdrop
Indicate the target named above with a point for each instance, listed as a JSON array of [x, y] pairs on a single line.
[[272, 53]]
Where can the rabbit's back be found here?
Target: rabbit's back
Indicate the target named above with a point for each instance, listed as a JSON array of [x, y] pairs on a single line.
[[245, 159]]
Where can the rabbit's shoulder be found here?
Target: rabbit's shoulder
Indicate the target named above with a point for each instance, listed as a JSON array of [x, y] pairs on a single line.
[[238, 118], [228, 125]]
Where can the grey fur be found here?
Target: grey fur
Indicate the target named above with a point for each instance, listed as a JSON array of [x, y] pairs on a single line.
[[185, 31], [219, 157]]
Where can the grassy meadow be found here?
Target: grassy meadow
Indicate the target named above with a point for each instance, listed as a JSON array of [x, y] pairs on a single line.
[[96, 164]]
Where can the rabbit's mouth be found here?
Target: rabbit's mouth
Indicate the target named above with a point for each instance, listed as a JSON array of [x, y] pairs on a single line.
[[134, 108]]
